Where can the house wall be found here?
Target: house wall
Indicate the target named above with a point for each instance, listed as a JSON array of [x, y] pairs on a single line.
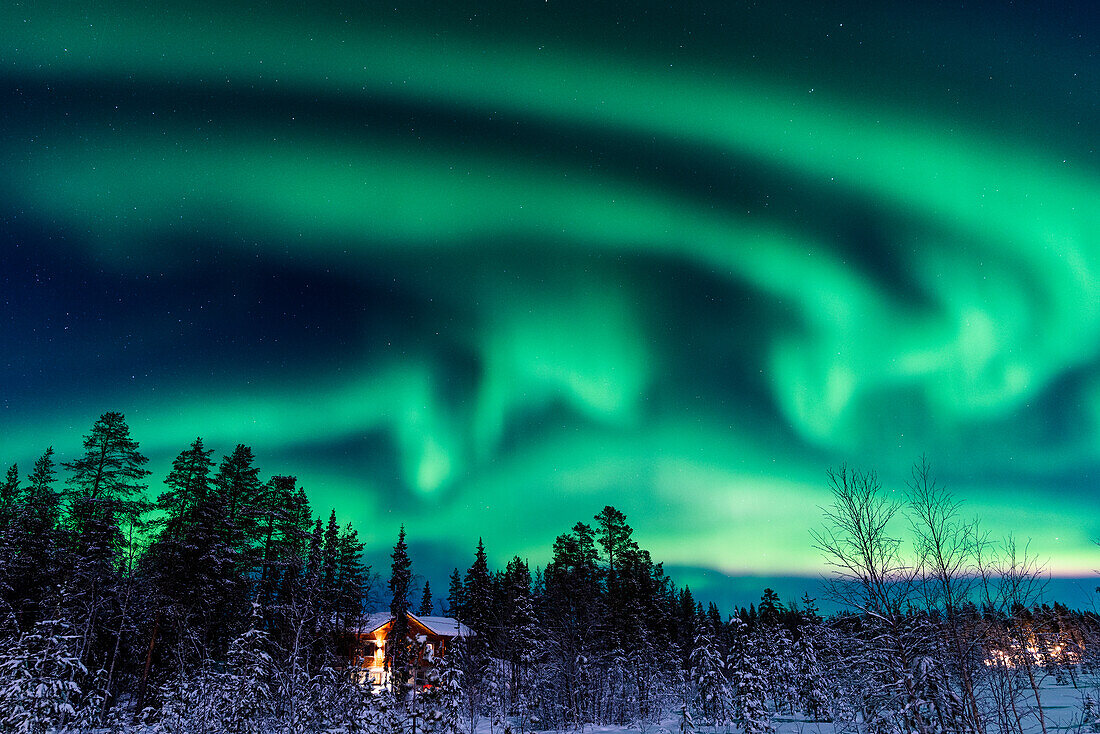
[[372, 651]]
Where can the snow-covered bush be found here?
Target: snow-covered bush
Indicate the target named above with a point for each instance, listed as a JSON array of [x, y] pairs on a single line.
[[39, 675]]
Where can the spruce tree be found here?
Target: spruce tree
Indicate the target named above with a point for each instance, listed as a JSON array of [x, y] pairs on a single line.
[[9, 494], [477, 591], [239, 490], [292, 610], [330, 557], [193, 566], [752, 693], [398, 653], [269, 515], [771, 609], [810, 681], [711, 687], [353, 584], [455, 600], [36, 570], [425, 608], [572, 599], [10, 598]]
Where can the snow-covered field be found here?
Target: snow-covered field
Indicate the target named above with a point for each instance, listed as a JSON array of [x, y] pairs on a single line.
[[1062, 705]]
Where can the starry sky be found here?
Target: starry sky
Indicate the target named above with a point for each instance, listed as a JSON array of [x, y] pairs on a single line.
[[484, 268]]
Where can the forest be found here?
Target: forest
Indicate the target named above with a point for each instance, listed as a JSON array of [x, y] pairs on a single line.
[[225, 605]]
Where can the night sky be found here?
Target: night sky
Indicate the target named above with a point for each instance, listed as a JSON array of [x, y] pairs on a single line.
[[483, 268]]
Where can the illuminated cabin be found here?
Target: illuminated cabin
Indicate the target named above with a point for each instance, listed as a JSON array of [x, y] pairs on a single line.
[[432, 635]]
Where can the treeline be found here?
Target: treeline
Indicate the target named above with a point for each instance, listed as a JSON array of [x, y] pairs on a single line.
[[602, 635], [111, 604], [226, 606], [940, 633]]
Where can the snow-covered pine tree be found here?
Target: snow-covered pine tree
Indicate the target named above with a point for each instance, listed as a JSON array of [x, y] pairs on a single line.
[[712, 692], [521, 640], [571, 599], [449, 696], [39, 674], [812, 691], [90, 713], [491, 685], [197, 700], [251, 683], [779, 665], [751, 696]]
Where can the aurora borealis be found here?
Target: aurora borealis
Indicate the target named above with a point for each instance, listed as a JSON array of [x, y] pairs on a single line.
[[485, 269]]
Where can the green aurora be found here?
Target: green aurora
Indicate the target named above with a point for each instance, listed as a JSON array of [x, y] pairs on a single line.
[[484, 272]]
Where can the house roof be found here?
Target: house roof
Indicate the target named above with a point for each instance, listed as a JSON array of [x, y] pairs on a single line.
[[445, 626], [442, 626]]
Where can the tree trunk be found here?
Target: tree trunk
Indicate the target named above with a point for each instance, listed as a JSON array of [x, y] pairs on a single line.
[[148, 666]]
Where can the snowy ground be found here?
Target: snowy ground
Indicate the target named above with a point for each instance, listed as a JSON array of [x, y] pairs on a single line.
[[1062, 709]]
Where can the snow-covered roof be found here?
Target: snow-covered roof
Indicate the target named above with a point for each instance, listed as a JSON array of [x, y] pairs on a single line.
[[442, 626], [376, 620]]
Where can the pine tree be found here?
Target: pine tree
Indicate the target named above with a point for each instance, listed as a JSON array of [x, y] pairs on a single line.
[[10, 599], [455, 600], [624, 578], [252, 683], [425, 608], [293, 613], [238, 482], [35, 570], [752, 691], [812, 690], [330, 570], [239, 491], [314, 560], [771, 609], [613, 535], [106, 486], [449, 697], [810, 613], [710, 682], [779, 666], [283, 530], [9, 494], [353, 583], [686, 723], [572, 599], [193, 561], [477, 592], [398, 653]]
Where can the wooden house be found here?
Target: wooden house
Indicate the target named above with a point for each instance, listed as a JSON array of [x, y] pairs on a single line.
[[432, 635]]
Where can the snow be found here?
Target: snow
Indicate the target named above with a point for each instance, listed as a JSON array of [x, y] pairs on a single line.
[[442, 626]]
